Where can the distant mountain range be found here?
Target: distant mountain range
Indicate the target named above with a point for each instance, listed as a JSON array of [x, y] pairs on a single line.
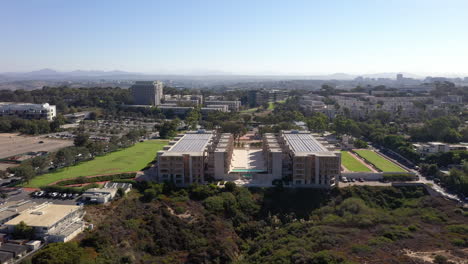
[[50, 74]]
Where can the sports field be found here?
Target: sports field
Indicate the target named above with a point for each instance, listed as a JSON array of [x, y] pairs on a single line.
[[378, 161], [352, 164], [126, 160]]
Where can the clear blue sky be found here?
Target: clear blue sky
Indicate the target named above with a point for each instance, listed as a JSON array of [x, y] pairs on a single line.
[[251, 36]]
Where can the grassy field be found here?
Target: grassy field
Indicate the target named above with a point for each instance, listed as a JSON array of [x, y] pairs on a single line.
[[378, 161], [352, 164], [130, 159]]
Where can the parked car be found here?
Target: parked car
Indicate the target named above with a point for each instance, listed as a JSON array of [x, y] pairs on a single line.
[[361, 179], [344, 179]]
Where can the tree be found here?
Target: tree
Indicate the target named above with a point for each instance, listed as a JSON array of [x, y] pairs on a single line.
[[26, 172], [59, 120], [39, 162], [193, 117], [358, 143], [64, 157], [230, 186], [168, 129], [81, 140], [23, 231], [92, 116], [60, 253], [235, 128]]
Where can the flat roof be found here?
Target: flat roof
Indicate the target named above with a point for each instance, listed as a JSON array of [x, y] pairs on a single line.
[[192, 141], [303, 142], [12, 208], [44, 215], [4, 255]]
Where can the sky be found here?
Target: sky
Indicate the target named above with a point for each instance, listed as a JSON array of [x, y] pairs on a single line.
[[293, 37]]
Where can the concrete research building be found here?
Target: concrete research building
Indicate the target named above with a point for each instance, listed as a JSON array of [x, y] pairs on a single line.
[[147, 92], [295, 157]]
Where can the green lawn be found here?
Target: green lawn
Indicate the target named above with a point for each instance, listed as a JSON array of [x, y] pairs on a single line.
[[352, 164], [271, 106], [251, 110], [126, 160], [378, 161]]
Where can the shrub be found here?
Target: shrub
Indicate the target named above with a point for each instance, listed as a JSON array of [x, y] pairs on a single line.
[[396, 233], [459, 229], [361, 249], [379, 241], [81, 180], [399, 177], [214, 204], [460, 242]]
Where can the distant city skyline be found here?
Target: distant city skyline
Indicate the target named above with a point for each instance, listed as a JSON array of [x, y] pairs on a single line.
[[422, 37]]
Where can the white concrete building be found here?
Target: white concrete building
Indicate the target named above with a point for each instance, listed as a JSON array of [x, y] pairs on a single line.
[[52, 222], [28, 111]]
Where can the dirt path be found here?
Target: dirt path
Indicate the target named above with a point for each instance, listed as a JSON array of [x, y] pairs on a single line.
[[362, 161], [429, 256]]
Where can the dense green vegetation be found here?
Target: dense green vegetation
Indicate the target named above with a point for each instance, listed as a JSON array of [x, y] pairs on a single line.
[[31, 127], [126, 160], [351, 163], [378, 161], [205, 224]]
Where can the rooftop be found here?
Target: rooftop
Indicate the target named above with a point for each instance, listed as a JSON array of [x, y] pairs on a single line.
[[192, 141], [5, 256], [13, 208], [303, 142], [44, 215], [9, 247]]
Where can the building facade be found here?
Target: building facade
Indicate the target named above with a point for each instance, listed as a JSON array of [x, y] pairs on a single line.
[[29, 111], [232, 105], [184, 160], [306, 162], [147, 92], [52, 222]]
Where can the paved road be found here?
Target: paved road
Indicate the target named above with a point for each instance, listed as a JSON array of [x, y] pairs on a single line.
[[368, 183], [423, 179]]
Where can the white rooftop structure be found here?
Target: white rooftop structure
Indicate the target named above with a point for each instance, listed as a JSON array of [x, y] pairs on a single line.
[[303, 142], [192, 142]]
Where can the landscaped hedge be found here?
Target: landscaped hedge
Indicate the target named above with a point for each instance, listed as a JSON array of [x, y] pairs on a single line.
[[399, 177], [63, 189], [81, 180]]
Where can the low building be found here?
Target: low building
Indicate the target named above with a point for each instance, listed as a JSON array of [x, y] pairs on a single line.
[[50, 220], [232, 105], [33, 245], [28, 111], [17, 250], [10, 210], [6, 257], [99, 195], [106, 193], [431, 147], [126, 187]]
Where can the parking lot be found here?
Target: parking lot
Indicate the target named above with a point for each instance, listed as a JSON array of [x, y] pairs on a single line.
[[21, 194], [14, 144]]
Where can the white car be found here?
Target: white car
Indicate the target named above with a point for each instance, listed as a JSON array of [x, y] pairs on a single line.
[[344, 179]]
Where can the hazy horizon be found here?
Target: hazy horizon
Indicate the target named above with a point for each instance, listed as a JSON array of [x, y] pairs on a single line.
[[424, 38]]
